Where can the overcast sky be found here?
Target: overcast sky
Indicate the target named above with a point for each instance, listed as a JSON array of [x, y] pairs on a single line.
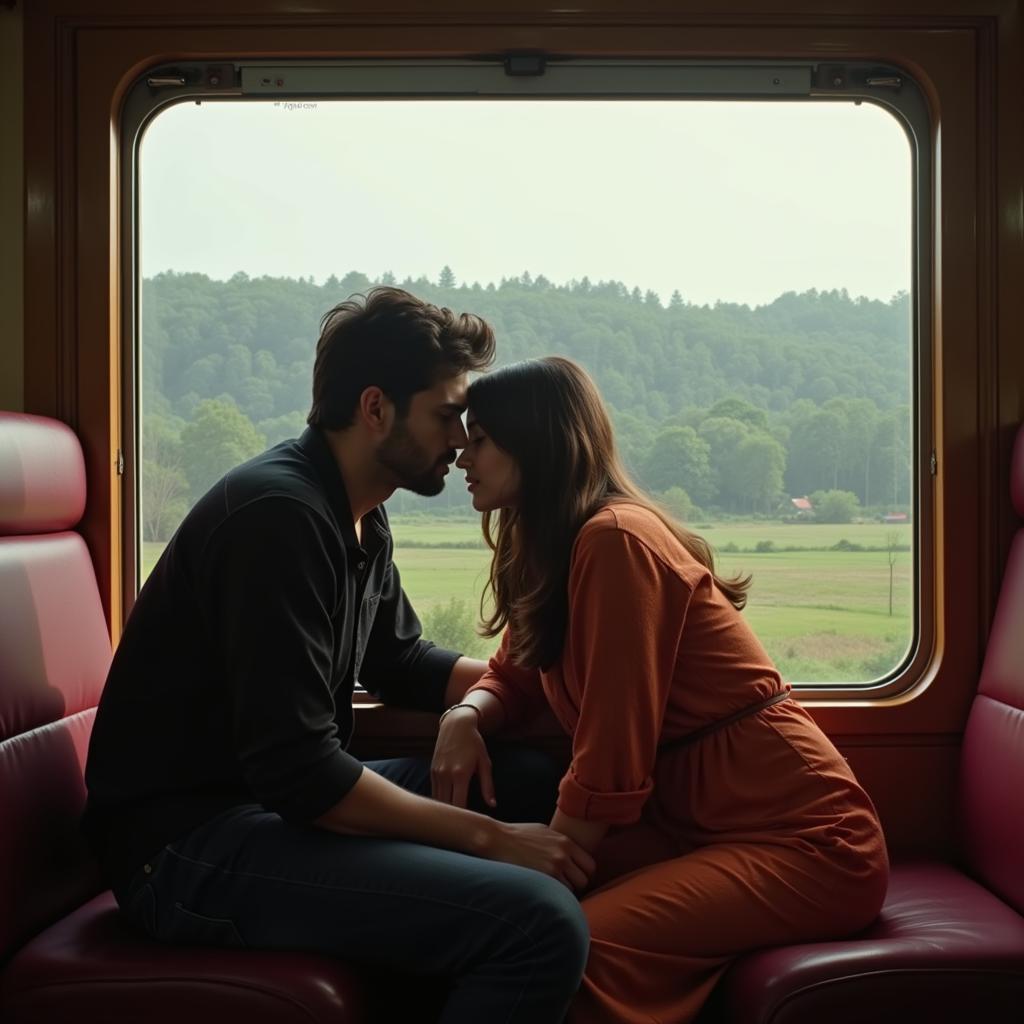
[[720, 200]]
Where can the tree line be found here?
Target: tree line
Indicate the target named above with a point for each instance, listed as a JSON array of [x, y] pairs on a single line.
[[721, 408]]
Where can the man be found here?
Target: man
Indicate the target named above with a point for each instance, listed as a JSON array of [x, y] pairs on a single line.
[[222, 803]]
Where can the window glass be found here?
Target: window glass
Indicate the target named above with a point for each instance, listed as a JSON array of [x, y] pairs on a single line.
[[736, 275]]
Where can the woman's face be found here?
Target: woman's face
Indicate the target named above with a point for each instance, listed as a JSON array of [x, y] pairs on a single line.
[[492, 475]]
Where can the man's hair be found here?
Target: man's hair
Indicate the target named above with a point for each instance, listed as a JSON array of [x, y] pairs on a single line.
[[394, 341]]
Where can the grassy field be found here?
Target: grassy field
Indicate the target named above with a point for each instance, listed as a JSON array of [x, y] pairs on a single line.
[[822, 614]]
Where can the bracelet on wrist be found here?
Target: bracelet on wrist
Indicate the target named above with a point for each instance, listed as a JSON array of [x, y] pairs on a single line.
[[455, 707]]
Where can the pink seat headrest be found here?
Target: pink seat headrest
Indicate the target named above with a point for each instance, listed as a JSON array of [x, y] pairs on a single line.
[[42, 475]]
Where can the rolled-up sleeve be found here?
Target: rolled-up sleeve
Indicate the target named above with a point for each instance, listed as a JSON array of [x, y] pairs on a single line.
[[519, 689], [626, 617], [269, 587]]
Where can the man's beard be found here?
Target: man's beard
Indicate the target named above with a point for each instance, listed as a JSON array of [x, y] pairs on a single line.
[[412, 467]]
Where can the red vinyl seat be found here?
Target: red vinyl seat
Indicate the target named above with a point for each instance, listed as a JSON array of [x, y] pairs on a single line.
[[948, 946], [64, 951]]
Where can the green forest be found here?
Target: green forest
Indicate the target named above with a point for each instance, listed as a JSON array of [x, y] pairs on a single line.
[[722, 410]]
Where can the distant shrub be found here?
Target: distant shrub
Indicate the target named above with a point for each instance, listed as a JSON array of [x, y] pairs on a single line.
[[453, 625], [835, 506], [679, 504], [763, 547], [846, 545], [885, 662]]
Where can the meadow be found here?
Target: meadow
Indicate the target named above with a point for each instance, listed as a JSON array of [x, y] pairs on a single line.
[[823, 614], [819, 600]]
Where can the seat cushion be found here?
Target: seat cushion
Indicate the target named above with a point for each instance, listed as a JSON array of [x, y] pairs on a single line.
[[46, 868], [991, 794], [54, 645], [943, 949], [91, 966]]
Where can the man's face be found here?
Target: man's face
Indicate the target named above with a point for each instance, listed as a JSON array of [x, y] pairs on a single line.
[[421, 446]]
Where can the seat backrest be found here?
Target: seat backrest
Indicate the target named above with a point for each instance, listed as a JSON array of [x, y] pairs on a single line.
[[992, 769], [54, 656]]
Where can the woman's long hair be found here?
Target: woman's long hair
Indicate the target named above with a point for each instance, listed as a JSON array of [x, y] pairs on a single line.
[[548, 415]]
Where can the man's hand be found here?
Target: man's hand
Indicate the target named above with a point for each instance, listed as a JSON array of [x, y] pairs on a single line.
[[376, 807], [459, 754], [542, 849]]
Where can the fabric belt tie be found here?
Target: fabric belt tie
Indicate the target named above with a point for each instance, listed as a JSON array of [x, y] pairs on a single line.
[[713, 727]]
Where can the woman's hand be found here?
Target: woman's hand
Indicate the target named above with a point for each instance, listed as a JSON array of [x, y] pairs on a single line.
[[460, 753]]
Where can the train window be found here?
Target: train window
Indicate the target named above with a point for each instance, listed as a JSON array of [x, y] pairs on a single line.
[[733, 252]]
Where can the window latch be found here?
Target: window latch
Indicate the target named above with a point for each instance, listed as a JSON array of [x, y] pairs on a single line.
[[163, 81]]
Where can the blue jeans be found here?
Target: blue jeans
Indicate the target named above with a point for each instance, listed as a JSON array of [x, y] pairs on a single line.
[[512, 942]]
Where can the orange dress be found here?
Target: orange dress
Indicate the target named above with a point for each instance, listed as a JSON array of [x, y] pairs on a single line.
[[755, 835]]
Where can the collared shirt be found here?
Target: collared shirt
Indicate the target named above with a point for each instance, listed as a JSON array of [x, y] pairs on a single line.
[[233, 680]]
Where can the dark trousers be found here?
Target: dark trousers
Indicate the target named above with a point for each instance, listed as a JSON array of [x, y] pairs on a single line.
[[511, 941]]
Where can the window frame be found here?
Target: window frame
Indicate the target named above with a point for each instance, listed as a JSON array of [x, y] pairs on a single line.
[[815, 80]]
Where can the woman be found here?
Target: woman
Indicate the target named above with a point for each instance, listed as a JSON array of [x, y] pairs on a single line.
[[720, 817]]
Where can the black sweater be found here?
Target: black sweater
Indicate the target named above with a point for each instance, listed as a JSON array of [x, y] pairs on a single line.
[[233, 680]]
